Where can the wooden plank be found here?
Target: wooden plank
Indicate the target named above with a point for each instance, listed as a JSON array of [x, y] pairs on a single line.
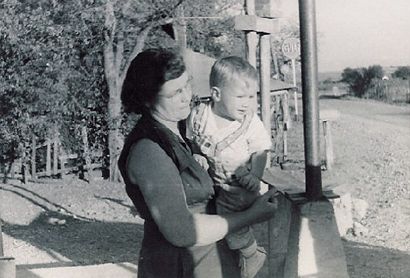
[[256, 24], [68, 156], [283, 180]]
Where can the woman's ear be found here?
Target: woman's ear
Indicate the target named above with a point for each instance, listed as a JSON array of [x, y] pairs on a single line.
[[216, 94]]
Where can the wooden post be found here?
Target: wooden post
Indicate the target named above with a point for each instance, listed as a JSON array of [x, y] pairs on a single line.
[[13, 169], [86, 153], [251, 36], [1, 242], [48, 158], [265, 81], [62, 166], [24, 167], [33, 157], [286, 124], [179, 28], [328, 144], [3, 171], [326, 117], [55, 156]]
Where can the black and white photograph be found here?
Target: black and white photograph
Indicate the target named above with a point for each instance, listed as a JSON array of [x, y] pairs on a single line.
[[204, 139]]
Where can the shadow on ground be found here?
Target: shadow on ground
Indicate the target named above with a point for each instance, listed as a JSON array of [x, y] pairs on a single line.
[[75, 240], [365, 261], [79, 241]]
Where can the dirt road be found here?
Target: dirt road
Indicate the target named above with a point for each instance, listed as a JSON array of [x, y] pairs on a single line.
[[372, 145]]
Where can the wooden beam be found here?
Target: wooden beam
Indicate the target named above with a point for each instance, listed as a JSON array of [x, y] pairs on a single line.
[[256, 24], [265, 71]]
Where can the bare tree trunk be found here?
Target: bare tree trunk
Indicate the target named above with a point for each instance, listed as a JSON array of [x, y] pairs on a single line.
[[115, 67]]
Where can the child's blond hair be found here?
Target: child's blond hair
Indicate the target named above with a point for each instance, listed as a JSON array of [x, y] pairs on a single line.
[[226, 69]]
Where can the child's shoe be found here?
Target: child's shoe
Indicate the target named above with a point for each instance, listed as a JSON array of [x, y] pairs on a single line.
[[250, 265]]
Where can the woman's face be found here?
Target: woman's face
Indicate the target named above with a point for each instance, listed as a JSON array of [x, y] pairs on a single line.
[[172, 103]]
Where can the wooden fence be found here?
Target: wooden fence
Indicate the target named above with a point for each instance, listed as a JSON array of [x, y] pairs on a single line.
[[47, 158]]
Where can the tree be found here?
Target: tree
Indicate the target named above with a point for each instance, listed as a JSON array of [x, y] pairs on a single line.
[[402, 72], [359, 80], [127, 25], [51, 73], [67, 69]]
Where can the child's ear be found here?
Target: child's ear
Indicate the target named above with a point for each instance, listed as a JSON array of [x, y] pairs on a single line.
[[216, 94]]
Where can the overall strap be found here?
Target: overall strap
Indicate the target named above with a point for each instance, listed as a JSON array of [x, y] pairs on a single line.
[[234, 135]]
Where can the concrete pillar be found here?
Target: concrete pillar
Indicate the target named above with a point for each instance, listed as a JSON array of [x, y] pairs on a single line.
[[7, 267], [315, 248]]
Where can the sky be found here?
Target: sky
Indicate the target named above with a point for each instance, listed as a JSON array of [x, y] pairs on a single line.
[[359, 33]]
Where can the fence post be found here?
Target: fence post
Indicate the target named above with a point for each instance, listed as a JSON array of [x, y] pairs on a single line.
[[86, 153], [13, 169], [48, 158], [33, 157], [328, 145], [55, 156]]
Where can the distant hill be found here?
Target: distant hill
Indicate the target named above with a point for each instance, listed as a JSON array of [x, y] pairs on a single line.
[[333, 75]]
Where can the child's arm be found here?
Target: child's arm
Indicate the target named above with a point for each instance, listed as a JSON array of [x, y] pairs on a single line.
[[258, 163], [250, 177]]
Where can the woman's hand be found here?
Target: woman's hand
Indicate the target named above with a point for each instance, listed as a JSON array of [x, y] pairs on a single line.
[[265, 206]]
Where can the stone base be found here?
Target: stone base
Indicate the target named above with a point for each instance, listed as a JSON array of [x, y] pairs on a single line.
[[315, 248], [7, 267]]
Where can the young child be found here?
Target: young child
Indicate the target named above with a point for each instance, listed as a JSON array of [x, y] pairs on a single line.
[[227, 131]]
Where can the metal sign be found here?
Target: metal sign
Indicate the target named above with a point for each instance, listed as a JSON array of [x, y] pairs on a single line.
[[291, 48]]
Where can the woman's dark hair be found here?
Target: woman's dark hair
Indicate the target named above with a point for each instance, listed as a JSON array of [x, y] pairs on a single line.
[[146, 75]]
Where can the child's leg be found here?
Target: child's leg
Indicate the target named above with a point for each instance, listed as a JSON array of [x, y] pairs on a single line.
[[251, 255]]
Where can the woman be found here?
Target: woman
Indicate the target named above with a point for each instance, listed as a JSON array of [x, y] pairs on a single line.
[[171, 191]]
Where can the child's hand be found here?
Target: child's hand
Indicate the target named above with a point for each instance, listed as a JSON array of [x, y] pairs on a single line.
[[201, 160], [247, 179]]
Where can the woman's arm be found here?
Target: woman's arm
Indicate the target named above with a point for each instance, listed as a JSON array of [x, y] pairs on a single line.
[[159, 181]]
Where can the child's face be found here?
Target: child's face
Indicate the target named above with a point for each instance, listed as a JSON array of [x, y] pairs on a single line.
[[237, 97]]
